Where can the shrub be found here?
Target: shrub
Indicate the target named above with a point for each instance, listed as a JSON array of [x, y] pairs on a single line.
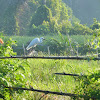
[[12, 71], [41, 29], [95, 25], [89, 86], [56, 46], [53, 26], [80, 29], [65, 27]]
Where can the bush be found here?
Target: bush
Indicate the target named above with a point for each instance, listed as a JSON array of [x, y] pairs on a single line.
[[58, 45], [12, 71], [89, 86], [41, 29], [53, 26], [79, 29], [95, 25], [65, 27]]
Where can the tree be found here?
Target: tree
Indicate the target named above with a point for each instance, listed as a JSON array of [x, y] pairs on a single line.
[[10, 24], [43, 13], [95, 25]]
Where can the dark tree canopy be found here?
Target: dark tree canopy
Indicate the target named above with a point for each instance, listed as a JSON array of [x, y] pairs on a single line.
[[8, 20], [43, 13]]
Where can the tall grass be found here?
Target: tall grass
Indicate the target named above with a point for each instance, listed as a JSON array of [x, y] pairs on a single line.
[[42, 77], [24, 39], [20, 40]]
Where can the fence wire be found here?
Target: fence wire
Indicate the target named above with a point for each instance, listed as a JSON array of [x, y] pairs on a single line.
[[54, 57], [50, 92]]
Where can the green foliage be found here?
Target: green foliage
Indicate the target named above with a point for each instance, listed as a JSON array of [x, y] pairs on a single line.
[[61, 21], [80, 29], [95, 25], [43, 76], [65, 27], [15, 72], [89, 86], [58, 18], [82, 41], [64, 14], [57, 45], [45, 28], [43, 13], [41, 29], [95, 41], [17, 18], [9, 23], [54, 5], [53, 26], [33, 5], [12, 71], [6, 49], [61, 13]]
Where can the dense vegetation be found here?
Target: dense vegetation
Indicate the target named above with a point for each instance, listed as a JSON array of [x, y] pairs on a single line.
[[65, 36], [13, 72], [24, 18], [40, 75]]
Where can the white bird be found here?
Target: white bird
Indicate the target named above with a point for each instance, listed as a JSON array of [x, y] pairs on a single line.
[[35, 42]]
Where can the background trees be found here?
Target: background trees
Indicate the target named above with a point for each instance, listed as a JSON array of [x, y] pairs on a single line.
[[43, 13], [17, 17], [9, 23]]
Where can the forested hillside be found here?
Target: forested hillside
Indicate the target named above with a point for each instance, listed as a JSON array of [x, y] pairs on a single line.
[[25, 17], [17, 16]]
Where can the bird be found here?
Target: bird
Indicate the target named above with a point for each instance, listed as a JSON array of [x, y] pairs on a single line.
[[35, 42]]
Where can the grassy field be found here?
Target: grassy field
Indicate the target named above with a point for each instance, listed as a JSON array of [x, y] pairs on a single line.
[[24, 39], [42, 77], [43, 72], [20, 40]]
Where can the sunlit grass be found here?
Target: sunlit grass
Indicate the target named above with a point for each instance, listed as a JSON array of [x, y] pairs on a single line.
[[43, 77]]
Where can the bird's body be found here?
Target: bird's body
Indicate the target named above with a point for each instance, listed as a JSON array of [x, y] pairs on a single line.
[[35, 42]]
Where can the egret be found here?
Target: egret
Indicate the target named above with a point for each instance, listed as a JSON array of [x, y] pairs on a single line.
[[35, 42]]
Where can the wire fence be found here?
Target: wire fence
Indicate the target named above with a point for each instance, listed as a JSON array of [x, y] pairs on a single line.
[[50, 92], [54, 57]]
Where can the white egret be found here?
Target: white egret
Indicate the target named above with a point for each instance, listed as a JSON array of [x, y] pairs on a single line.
[[35, 42]]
